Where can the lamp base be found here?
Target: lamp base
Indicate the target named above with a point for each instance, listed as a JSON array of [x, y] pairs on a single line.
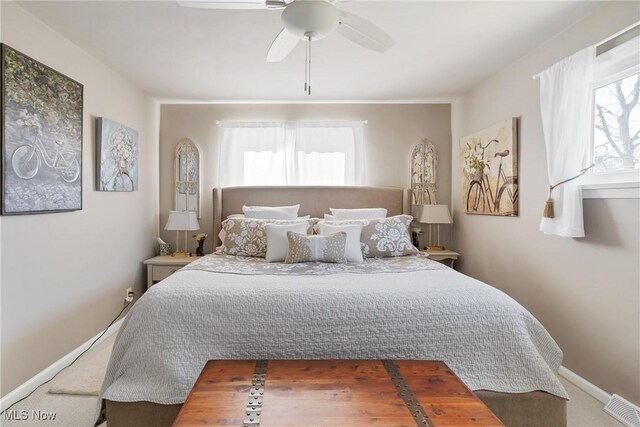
[[181, 254], [435, 248]]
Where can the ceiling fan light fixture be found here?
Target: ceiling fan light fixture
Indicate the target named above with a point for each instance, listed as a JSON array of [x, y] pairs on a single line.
[[275, 4], [315, 18]]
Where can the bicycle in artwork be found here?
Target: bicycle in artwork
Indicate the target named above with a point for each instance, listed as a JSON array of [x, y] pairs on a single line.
[[27, 160], [118, 156], [490, 172]]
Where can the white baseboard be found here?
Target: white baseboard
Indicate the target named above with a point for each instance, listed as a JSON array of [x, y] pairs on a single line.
[[44, 375], [589, 388]]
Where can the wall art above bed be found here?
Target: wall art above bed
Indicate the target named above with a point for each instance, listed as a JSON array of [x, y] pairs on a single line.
[[41, 137], [489, 160]]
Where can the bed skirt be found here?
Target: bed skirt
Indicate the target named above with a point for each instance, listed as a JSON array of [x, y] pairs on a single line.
[[534, 409]]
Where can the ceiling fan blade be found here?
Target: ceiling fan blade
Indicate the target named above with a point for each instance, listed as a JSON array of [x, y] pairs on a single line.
[[364, 33], [224, 4], [283, 44]]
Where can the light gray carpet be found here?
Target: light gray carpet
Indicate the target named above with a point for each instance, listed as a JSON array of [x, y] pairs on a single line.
[[85, 379], [70, 410], [73, 410]]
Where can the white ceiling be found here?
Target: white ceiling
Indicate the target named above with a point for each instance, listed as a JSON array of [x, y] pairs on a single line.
[[442, 48]]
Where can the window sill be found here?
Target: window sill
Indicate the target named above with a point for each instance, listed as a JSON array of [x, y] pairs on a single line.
[[622, 190]]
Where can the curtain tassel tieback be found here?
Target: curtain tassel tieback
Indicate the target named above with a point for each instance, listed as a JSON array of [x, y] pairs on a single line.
[[548, 205]]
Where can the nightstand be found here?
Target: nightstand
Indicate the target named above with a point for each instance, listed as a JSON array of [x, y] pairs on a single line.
[[445, 256], [161, 267]]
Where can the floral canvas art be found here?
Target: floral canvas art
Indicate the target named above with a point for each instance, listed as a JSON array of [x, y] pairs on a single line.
[[489, 161], [41, 137], [117, 147]]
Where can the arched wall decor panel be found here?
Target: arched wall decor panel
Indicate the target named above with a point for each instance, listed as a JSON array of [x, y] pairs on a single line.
[[187, 176], [424, 163]]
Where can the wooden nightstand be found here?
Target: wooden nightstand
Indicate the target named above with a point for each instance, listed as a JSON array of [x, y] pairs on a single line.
[[161, 267], [443, 256]]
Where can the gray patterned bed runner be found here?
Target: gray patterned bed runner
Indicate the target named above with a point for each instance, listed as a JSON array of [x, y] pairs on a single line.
[[221, 263]]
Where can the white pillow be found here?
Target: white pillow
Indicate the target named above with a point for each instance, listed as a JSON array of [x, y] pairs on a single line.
[[271, 212], [328, 217], [365, 213], [277, 242], [352, 250]]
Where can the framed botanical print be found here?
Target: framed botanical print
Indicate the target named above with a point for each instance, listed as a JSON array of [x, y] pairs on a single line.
[[41, 137]]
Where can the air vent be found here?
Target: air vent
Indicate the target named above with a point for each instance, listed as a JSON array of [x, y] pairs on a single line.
[[624, 411]]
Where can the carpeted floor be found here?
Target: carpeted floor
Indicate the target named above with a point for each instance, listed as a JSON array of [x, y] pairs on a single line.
[[76, 410]]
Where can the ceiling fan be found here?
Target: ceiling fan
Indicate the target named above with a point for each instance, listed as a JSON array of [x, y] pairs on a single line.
[[307, 20]]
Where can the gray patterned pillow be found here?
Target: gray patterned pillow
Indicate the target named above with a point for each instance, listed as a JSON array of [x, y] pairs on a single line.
[[385, 237], [388, 237], [248, 237], [325, 248]]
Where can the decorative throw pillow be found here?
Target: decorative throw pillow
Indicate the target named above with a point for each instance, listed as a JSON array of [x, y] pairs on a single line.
[[277, 243], [365, 213], [248, 237], [327, 248], [353, 231], [271, 212], [381, 238], [388, 237]]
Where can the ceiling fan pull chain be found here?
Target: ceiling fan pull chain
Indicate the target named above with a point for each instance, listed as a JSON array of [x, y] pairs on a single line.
[[309, 92], [306, 65]]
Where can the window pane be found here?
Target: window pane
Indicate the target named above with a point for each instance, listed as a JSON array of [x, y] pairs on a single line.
[[617, 126], [264, 168], [321, 168], [291, 153]]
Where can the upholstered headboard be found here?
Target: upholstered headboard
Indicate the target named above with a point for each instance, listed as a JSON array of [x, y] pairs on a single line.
[[313, 200]]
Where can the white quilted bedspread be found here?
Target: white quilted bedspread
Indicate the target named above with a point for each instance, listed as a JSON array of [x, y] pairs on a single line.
[[435, 313]]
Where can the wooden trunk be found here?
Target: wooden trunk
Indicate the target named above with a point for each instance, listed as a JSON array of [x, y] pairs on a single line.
[[331, 393]]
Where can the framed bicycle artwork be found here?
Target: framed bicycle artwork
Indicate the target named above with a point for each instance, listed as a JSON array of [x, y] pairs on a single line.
[[41, 137], [489, 160], [117, 159]]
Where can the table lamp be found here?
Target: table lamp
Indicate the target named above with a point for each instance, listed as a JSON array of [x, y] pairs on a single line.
[[182, 221], [433, 215]]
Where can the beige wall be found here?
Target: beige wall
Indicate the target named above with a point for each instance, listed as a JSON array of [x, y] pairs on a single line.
[[584, 291], [392, 132], [64, 275]]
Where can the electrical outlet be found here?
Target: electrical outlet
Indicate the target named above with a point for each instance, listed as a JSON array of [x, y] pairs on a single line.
[[128, 297]]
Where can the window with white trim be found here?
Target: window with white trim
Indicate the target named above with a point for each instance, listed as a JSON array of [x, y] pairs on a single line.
[[616, 123], [291, 153]]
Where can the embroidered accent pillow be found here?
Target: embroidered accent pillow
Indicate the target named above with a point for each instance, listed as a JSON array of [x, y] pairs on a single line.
[[326, 248], [248, 237]]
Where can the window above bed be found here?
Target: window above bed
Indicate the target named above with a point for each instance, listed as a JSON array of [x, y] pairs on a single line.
[[291, 153]]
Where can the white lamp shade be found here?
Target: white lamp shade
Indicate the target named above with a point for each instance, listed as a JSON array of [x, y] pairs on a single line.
[[432, 214], [182, 221]]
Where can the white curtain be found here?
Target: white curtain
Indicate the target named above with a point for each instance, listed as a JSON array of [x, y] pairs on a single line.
[[291, 153], [566, 103]]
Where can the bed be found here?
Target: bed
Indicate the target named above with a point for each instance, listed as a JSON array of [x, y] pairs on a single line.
[[226, 307]]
